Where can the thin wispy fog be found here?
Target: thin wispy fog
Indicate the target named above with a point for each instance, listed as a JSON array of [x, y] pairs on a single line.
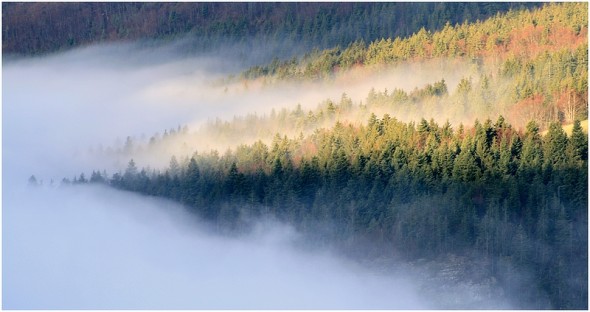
[[62, 105], [90, 247], [54, 108]]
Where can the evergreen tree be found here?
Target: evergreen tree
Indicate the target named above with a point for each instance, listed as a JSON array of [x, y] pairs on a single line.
[[579, 142]]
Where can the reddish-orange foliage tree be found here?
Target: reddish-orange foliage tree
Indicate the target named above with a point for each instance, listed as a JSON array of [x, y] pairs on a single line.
[[532, 108]]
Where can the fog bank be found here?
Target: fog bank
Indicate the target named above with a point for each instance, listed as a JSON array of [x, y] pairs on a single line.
[[89, 247], [96, 248]]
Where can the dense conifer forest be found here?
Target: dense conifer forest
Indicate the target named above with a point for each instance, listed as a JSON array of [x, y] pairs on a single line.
[[482, 169], [45, 27], [422, 190], [530, 65]]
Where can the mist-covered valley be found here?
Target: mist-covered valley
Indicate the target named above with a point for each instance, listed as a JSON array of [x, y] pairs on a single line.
[[116, 250], [146, 175], [91, 247]]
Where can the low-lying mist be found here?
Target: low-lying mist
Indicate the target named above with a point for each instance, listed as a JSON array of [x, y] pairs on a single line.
[[96, 248], [90, 247]]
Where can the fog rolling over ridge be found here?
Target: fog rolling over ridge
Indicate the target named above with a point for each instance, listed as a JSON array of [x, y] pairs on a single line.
[[97, 96], [96, 248]]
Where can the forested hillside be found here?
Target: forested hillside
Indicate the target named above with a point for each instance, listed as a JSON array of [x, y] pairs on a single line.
[[33, 28], [449, 140], [421, 190], [523, 35], [528, 65]]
